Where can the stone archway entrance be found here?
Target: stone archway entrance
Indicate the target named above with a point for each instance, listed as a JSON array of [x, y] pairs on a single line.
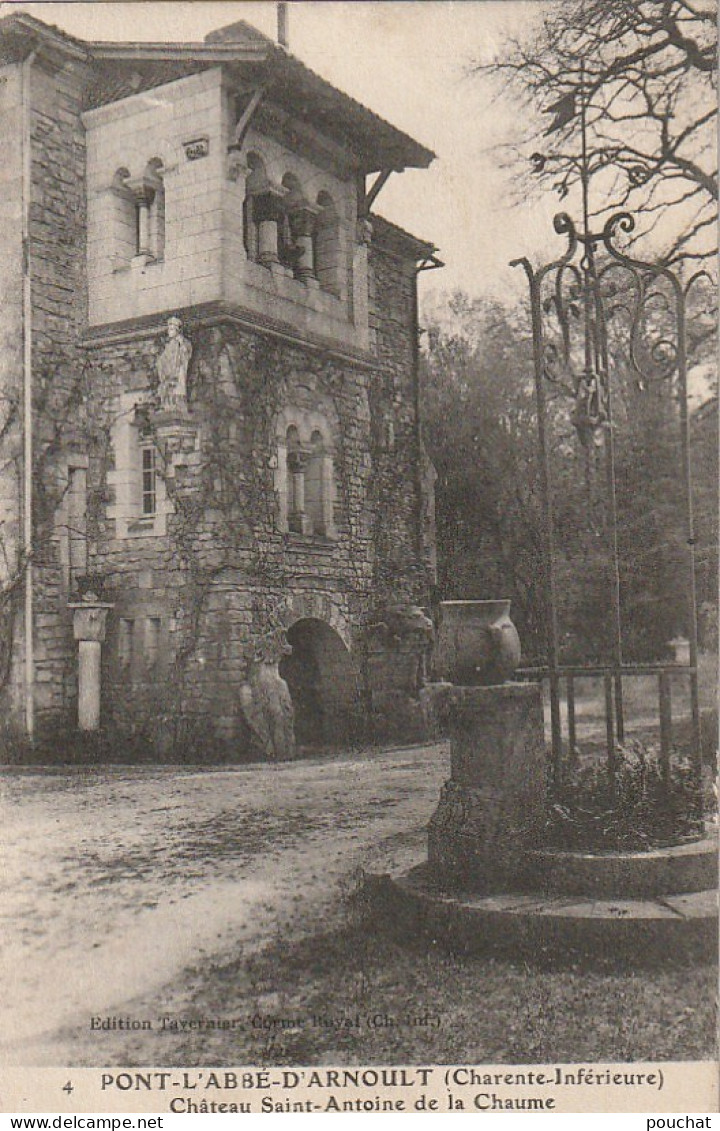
[[323, 682]]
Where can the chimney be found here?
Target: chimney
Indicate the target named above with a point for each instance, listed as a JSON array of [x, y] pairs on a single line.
[[282, 25]]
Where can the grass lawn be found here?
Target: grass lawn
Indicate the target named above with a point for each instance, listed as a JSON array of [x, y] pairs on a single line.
[[356, 997]]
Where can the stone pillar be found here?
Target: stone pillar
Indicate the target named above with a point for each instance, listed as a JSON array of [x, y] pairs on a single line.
[[296, 502], [89, 619], [143, 211], [494, 803], [302, 223], [266, 211], [89, 684], [143, 191], [327, 495], [305, 266]]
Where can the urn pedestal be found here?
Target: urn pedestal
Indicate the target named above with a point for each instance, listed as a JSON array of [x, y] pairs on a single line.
[[494, 803], [89, 620], [488, 886]]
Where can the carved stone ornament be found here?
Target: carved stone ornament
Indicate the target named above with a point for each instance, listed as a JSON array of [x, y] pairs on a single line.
[[408, 621], [235, 166], [267, 707], [89, 618], [172, 367], [196, 148]]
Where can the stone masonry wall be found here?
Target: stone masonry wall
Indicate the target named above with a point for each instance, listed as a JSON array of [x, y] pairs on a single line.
[[57, 261], [129, 134], [192, 601], [397, 444], [11, 381], [223, 571]]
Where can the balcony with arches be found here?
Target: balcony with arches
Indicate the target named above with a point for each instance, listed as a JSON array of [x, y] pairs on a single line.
[[299, 254], [182, 213]]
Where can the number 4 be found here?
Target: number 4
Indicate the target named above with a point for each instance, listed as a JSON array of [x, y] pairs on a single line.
[[68, 1087]]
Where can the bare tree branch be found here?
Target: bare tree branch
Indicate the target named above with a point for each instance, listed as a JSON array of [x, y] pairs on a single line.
[[644, 70]]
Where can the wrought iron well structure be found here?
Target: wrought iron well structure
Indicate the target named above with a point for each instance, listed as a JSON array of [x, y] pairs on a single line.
[[578, 301]]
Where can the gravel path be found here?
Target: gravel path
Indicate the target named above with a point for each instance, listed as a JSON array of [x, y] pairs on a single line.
[[117, 880]]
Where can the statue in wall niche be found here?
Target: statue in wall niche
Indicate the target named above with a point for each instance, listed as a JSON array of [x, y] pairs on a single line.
[[265, 700], [172, 367]]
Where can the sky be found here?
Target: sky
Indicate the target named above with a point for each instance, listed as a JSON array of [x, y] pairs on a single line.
[[408, 61]]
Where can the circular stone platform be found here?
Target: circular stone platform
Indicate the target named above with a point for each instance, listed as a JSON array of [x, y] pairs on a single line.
[[651, 874], [679, 926]]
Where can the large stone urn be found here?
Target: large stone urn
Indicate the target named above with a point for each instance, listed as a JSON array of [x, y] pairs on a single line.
[[477, 643]]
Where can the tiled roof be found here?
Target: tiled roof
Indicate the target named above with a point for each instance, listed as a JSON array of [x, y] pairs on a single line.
[[129, 67], [384, 231]]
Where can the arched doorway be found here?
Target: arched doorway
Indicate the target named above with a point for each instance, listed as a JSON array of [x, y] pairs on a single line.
[[323, 683]]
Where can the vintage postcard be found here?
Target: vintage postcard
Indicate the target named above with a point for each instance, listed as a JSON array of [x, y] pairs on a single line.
[[358, 556]]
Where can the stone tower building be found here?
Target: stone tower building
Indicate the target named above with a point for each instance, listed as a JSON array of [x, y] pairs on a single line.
[[210, 452]]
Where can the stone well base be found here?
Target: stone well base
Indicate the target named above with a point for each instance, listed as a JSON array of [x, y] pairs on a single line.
[[651, 875], [548, 929]]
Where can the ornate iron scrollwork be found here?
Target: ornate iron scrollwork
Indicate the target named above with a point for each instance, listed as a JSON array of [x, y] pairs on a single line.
[[601, 318], [586, 299]]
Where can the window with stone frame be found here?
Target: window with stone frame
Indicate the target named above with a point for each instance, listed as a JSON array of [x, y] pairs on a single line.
[[141, 646], [260, 214], [315, 488], [295, 482], [153, 628], [126, 644], [156, 210], [148, 483], [77, 523], [71, 520], [122, 220], [140, 505]]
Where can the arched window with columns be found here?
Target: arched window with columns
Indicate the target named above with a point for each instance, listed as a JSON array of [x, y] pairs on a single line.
[[136, 224], [296, 461], [122, 226], [297, 242], [289, 249], [304, 476]]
